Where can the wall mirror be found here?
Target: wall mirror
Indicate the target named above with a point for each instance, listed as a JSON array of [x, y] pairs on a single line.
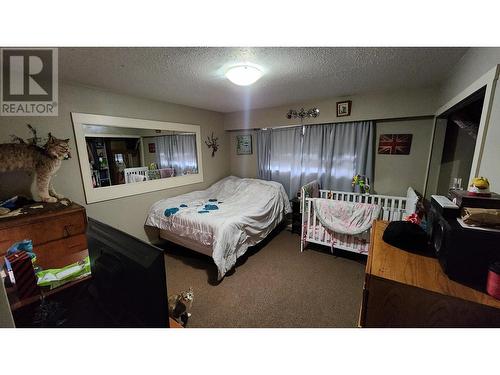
[[122, 156]]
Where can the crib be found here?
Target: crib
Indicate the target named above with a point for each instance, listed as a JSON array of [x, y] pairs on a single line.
[[392, 208], [133, 174]]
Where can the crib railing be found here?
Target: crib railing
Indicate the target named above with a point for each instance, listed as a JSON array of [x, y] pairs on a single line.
[[140, 171], [392, 208]]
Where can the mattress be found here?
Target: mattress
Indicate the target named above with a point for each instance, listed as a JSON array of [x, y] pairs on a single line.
[[247, 210]]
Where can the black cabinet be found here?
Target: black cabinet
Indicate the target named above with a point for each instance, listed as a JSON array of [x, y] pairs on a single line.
[[296, 216]]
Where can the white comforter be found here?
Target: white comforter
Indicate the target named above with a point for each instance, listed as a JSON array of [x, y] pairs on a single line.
[[248, 210]]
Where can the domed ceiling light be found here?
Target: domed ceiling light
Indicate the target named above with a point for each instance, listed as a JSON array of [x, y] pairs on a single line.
[[244, 75]]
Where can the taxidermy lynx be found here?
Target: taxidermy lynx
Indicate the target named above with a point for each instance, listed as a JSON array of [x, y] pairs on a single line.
[[179, 306], [43, 160]]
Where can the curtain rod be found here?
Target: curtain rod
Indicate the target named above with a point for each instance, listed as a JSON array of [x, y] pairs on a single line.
[[391, 119]]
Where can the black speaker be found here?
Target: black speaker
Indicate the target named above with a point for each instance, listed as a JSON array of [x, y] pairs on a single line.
[[467, 254], [441, 212]]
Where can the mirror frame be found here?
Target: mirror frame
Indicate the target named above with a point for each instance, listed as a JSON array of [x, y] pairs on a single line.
[[93, 195]]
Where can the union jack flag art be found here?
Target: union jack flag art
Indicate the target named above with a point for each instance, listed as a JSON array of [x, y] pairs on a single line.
[[394, 144]]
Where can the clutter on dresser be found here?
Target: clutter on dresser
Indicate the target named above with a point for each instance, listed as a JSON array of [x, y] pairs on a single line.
[[481, 217], [19, 265], [406, 289], [465, 251], [479, 186], [50, 237], [493, 282], [462, 198], [20, 205]]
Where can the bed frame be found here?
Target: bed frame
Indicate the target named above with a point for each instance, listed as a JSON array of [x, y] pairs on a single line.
[[392, 208]]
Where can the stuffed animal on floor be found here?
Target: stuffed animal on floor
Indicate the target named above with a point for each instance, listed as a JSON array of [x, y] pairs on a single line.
[[179, 306]]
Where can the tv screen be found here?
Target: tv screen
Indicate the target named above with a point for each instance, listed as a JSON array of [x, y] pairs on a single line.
[[128, 277]]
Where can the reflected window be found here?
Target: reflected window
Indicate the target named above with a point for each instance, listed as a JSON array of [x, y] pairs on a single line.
[[176, 153], [118, 158]]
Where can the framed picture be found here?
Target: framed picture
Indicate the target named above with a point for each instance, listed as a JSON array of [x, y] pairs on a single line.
[[395, 144], [244, 144], [344, 108], [152, 148]]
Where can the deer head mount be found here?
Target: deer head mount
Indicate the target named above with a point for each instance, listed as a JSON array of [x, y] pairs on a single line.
[[211, 142]]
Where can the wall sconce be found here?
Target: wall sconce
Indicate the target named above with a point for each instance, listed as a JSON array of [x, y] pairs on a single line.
[[302, 113]]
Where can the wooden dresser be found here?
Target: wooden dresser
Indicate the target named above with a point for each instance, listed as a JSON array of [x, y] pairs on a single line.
[[404, 289], [57, 235]]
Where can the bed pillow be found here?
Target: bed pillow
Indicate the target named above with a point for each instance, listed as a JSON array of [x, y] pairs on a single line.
[[411, 201]]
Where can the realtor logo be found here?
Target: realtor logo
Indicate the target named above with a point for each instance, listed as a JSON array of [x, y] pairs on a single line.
[[29, 82]]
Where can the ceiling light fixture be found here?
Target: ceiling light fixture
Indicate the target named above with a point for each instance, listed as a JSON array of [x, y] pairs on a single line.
[[244, 75]]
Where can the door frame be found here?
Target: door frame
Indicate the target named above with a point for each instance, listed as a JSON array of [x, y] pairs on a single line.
[[489, 81]]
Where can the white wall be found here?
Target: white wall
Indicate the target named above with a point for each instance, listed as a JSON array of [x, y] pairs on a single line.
[[243, 165], [490, 162], [370, 106], [128, 213], [395, 173], [475, 63]]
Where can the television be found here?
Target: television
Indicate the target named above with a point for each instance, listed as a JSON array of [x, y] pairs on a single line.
[[128, 278]]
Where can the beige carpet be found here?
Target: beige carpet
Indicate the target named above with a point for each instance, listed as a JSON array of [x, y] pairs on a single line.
[[273, 285]]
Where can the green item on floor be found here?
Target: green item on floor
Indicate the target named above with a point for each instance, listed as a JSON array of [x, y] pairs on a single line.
[[60, 276]]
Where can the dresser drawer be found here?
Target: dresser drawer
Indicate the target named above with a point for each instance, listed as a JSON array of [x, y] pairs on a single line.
[[44, 229], [53, 254]]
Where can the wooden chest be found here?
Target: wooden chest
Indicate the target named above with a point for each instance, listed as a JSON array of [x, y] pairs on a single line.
[[55, 234]]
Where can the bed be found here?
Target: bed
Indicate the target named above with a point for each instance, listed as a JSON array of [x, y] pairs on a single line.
[[315, 229], [223, 220]]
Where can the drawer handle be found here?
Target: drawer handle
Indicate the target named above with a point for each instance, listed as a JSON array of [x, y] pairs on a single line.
[[67, 231]]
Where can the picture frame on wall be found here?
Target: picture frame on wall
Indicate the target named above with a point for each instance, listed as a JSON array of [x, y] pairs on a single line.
[[344, 108], [244, 144]]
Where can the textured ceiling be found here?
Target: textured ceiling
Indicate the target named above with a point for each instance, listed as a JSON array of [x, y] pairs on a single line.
[[195, 76]]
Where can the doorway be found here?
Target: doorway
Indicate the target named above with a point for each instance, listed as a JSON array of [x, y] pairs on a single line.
[[454, 144]]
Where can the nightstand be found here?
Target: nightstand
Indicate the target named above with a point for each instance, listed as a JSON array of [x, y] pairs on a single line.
[[296, 215]]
